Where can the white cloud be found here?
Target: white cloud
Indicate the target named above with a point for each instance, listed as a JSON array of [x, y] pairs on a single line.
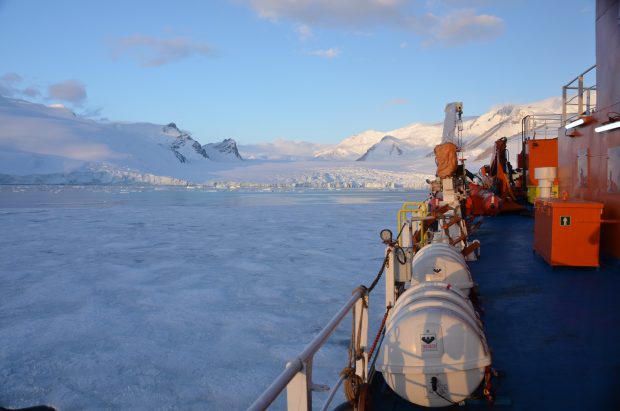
[[464, 26], [73, 91], [445, 22], [9, 86], [154, 52], [403, 45], [304, 31], [11, 78], [328, 12], [329, 53]]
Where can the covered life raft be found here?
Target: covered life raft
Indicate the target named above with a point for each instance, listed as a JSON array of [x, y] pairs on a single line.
[[435, 351], [441, 262]]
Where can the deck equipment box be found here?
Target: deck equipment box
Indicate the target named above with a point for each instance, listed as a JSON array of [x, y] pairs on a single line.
[[567, 232]]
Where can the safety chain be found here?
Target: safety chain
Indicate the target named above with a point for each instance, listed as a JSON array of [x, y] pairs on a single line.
[[374, 344], [381, 270]]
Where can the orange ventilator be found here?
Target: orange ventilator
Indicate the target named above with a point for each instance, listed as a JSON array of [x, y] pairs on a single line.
[[541, 153]]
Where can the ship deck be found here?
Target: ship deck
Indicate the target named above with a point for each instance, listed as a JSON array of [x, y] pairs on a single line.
[[554, 332]]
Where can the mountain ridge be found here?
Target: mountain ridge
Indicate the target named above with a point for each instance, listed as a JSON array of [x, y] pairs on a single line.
[[53, 143], [479, 132], [36, 139]]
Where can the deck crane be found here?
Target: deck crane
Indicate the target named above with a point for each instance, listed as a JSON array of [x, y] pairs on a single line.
[[449, 190]]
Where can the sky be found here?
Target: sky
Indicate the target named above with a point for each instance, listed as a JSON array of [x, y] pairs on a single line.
[[307, 70]]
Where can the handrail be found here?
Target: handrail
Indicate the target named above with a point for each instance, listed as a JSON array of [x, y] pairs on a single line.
[[277, 386], [581, 90], [581, 75], [414, 208], [297, 365], [534, 124]]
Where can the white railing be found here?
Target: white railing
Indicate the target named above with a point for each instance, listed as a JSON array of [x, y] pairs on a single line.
[[297, 375], [540, 126], [579, 95]]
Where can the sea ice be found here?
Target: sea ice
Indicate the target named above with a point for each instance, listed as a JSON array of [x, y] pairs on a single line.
[[119, 298]]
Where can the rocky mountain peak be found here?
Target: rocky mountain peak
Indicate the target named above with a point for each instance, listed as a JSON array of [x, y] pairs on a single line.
[[226, 149]]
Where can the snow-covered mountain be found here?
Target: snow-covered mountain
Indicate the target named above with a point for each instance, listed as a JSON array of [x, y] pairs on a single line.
[[225, 151], [38, 140], [414, 140], [51, 144], [183, 146], [352, 147], [392, 148]]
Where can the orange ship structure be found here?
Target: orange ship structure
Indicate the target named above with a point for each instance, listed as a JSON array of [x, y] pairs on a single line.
[[589, 144], [577, 170]]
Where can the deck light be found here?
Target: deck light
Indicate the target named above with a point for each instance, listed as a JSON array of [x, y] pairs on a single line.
[[582, 120], [386, 235], [574, 124], [614, 122]]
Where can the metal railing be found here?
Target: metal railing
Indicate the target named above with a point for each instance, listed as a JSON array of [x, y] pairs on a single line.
[[297, 375], [412, 209], [579, 95], [540, 126]]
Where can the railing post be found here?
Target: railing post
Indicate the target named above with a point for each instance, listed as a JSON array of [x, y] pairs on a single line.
[[297, 375], [390, 289], [580, 96], [298, 395], [407, 234], [563, 106], [361, 333]]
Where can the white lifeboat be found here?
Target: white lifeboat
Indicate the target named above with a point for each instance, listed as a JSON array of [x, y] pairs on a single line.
[[440, 291], [435, 352], [441, 262]]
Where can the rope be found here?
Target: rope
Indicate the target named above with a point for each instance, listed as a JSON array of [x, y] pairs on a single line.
[[487, 389], [434, 383], [352, 383]]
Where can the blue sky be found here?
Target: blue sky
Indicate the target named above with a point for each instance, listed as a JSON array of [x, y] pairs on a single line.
[[312, 70]]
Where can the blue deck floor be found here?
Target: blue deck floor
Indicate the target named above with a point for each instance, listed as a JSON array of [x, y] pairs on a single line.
[[555, 332]]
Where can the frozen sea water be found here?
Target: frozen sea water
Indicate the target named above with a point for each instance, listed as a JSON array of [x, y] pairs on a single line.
[[127, 298]]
